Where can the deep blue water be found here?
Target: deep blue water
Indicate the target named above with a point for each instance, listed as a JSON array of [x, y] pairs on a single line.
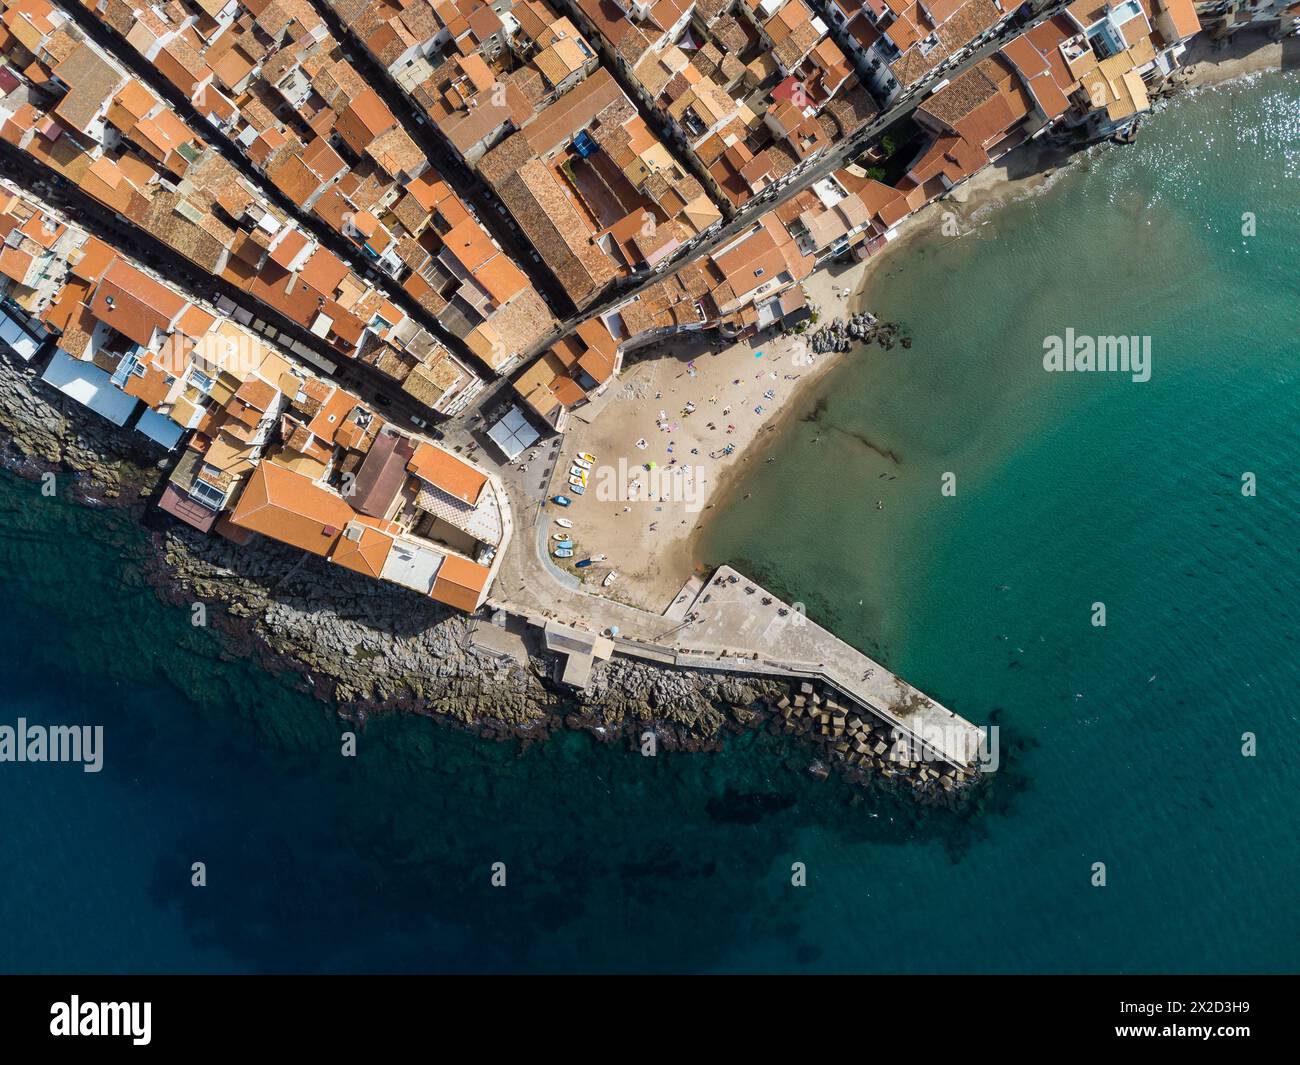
[[1120, 745]]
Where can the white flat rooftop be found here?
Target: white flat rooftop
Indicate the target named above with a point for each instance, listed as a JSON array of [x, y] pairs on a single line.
[[90, 386]]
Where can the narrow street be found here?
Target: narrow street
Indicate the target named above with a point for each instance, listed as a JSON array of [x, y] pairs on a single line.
[[464, 182], [372, 386], [112, 42], [777, 194]]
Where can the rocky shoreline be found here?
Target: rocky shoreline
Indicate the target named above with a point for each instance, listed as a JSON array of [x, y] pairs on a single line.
[[840, 336], [364, 646]]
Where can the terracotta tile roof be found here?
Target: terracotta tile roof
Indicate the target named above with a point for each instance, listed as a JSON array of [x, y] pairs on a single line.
[[135, 304], [92, 82], [444, 470], [364, 119], [323, 272], [960, 97], [364, 546], [573, 111], [460, 583], [330, 417], [289, 507]]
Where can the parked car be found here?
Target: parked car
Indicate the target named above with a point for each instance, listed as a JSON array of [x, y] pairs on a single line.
[[561, 501]]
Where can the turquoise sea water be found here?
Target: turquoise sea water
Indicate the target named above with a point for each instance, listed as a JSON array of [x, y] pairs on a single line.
[[1119, 745]]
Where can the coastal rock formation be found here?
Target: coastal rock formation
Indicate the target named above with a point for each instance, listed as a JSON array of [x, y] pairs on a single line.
[[42, 427], [840, 336]]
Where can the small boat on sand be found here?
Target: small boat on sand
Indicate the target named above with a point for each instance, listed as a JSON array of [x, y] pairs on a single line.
[[564, 552], [564, 523], [610, 578], [561, 501]]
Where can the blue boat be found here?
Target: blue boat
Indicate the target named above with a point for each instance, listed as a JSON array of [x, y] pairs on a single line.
[[584, 562], [576, 489], [564, 545], [561, 501]]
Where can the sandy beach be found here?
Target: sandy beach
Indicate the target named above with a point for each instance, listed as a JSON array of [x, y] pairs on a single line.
[[660, 436], [1210, 62]]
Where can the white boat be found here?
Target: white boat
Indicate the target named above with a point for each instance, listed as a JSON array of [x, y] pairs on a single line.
[[564, 523], [586, 457], [610, 578], [599, 558], [560, 536], [582, 463]]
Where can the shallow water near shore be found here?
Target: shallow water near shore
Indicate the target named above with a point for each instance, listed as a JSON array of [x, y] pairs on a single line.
[[1072, 489]]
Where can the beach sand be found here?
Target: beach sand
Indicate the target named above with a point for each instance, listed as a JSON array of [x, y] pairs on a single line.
[[648, 522], [643, 520], [1209, 62]]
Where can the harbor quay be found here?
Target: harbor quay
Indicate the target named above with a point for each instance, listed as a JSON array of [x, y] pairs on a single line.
[[728, 623]]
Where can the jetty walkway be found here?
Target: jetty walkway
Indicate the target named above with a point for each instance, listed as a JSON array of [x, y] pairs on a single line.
[[731, 625]]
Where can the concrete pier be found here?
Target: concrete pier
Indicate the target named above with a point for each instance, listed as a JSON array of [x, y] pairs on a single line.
[[728, 627], [730, 621]]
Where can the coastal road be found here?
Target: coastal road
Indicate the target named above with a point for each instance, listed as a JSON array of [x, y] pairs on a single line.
[[799, 179]]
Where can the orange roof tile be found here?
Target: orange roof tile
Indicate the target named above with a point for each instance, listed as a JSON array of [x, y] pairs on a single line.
[[331, 415], [134, 304], [291, 508], [460, 583], [368, 551], [444, 470]]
